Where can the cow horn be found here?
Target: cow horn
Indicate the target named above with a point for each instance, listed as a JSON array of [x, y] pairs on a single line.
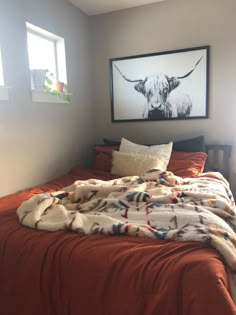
[[125, 76], [173, 83], [186, 75]]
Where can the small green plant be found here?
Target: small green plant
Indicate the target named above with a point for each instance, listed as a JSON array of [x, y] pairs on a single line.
[[49, 87]]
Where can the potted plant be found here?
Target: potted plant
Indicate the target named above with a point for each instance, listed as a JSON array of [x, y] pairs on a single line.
[[59, 86], [56, 87]]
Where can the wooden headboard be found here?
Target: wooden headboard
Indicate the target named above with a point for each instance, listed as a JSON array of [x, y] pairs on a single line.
[[219, 157]]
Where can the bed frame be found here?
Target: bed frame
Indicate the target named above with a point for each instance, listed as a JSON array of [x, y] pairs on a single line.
[[219, 158]]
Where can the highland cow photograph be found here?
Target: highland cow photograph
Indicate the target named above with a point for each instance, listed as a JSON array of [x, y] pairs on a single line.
[[160, 86]]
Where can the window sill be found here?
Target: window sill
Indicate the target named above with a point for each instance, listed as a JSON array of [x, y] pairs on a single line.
[[4, 93], [44, 97]]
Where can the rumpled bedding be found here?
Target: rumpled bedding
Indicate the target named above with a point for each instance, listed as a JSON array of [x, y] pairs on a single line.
[[157, 205]]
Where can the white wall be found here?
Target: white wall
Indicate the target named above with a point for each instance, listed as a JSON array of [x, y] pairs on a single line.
[[39, 141], [170, 25]]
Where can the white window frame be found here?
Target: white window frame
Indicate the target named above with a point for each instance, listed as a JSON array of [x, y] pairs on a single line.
[[60, 58]]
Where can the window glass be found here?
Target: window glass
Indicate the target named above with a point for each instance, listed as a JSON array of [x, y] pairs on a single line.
[[47, 60], [42, 53], [1, 71]]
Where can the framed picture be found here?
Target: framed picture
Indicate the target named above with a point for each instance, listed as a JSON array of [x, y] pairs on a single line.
[[167, 85]]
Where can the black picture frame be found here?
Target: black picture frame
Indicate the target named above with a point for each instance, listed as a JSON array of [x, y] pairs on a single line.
[[169, 85]]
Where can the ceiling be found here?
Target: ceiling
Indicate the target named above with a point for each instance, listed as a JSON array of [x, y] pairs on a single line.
[[95, 7]]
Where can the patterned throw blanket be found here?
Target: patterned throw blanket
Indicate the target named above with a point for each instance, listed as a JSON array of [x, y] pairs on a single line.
[[159, 205]]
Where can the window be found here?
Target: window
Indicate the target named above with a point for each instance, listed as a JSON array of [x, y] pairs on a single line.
[[3, 88], [1, 71], [42, 53], [47, 62]]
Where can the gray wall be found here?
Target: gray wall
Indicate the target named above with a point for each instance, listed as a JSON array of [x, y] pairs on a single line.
[[170, 25], [41, 141]]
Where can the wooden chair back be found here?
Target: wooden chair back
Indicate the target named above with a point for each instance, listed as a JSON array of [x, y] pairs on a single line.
[[219, 158]]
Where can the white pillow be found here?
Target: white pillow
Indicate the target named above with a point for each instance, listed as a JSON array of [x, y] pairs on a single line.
[[127, 164], [162, 151]]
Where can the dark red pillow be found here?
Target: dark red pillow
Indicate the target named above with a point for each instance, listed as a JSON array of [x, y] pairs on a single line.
[[187, 164], [103, 157]]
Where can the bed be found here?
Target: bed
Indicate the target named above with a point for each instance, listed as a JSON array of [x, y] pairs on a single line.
[[66, 272]]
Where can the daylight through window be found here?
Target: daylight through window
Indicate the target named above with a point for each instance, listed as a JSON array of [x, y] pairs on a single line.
[[46, 52], [1, 71], [42, 53]]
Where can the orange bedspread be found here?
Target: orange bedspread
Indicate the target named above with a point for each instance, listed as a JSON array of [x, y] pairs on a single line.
[[63, 273]]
